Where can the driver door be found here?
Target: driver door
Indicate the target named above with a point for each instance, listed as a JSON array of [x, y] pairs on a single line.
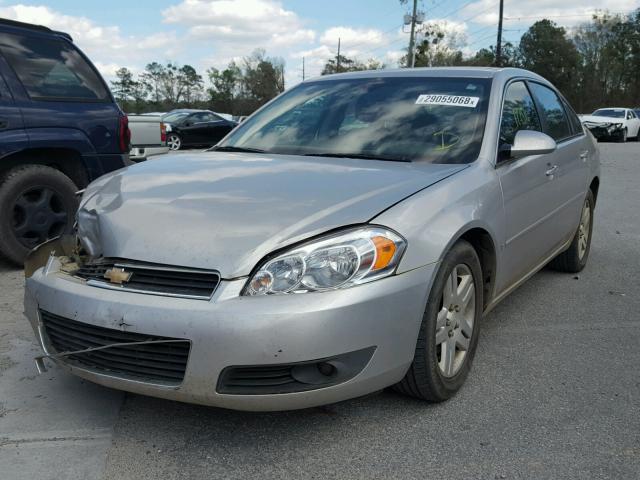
[[195, 129], [528, 188]]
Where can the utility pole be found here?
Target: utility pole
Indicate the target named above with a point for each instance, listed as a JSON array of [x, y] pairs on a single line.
[[499, 41], [303, 69], [412, 38], [338, 58]]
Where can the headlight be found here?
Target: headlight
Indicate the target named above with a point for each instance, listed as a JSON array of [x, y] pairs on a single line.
[[341, 260]]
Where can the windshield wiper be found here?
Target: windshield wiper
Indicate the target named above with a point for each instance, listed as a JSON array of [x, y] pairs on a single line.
[[236, 149], [364, 156]]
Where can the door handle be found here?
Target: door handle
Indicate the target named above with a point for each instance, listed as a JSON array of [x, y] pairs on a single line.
[[551, 171], [584, 155], [3, 124]]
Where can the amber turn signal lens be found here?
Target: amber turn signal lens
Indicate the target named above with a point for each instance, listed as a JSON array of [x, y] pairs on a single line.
[[385, 250]]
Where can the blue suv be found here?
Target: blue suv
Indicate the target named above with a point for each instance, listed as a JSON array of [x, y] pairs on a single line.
[[60, 128]]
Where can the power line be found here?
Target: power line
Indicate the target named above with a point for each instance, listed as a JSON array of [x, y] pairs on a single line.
[[542, 17]]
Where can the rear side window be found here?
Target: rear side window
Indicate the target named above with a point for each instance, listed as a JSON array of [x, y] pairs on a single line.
[[576, 124], [555, 118], [518, 113], [52, 69]]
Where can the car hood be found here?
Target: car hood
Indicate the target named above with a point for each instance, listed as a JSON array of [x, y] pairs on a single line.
[[599, 119], [226, 211]]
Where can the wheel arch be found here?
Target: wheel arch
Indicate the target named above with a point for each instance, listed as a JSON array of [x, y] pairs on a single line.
[[66, 160], [484, 244], [594, 186]]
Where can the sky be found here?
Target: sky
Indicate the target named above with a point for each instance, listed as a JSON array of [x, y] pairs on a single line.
[[210, 33]]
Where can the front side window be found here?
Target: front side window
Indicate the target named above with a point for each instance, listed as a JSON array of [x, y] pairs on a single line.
[[439, 120], [555, 119], [202, 117], [52, 69], [518, 113]]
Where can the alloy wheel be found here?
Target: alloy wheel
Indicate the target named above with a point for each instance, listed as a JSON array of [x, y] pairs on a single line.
[[455, 320], [38, 215], [174, 142], [584, 229]]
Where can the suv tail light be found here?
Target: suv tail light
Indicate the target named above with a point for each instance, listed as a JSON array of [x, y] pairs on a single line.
[[124, 134], [163, 133]]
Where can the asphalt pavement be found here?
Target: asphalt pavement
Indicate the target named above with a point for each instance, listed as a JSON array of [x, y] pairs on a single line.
[[554, 394]]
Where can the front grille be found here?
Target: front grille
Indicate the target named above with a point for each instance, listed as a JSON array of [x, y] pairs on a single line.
[[154, 279], [157, 362]]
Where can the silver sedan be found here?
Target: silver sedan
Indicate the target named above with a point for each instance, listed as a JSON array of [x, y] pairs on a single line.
[[347, 237]]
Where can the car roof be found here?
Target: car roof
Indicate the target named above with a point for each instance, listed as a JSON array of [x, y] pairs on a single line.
[[187, 110], [14, 24], [435, 72]]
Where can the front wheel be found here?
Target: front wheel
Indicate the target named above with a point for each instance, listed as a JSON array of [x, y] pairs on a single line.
[[450, 327], [623, 136], [174, 142]]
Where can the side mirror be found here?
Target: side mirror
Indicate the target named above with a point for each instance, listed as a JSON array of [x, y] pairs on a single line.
[[531, 142]]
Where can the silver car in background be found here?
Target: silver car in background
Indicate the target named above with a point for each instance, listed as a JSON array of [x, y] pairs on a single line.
[[347, 237]]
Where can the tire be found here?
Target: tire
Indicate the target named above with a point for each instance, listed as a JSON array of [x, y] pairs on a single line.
[[623, 136], [36, 203], [174, 142], [574, 259], [427, 379]]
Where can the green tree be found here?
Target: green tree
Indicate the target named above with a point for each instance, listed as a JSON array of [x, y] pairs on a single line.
[[262, 77], [350, 65], [190, 83], [123, 86], [225, 87], [486, 57], [546, 50], [152, 79]]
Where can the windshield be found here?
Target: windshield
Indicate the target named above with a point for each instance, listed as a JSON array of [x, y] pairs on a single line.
[[609, 112], [174, 117], [439, 120]]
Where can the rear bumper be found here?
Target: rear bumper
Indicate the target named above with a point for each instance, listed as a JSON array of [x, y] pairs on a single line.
[[230, 330], [138, 154]]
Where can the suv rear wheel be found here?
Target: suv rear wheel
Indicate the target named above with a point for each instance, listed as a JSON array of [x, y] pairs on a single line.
[[36, 203]]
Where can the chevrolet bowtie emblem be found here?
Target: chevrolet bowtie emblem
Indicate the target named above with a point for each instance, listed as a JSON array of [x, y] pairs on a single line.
[[117, 275]]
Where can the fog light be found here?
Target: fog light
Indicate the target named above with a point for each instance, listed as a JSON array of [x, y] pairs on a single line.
[[326, 369]]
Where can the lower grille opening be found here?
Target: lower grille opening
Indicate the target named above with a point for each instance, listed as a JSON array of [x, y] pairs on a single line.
[[293, 377], [158, 363]]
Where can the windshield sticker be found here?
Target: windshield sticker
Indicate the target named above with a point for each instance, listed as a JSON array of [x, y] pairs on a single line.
[[450, 100]]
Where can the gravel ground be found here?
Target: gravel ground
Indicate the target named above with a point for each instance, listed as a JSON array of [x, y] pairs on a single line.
[[554, 393]]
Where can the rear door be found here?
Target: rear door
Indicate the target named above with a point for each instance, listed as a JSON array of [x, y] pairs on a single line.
[[529, 191], [569, 161], [12, 135]]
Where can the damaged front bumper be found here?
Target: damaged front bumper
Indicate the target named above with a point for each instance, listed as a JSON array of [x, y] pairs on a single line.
[[361, 339], [605, 130]]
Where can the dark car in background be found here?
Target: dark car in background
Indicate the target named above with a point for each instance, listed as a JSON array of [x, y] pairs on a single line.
[[191, 128], [60, 128]]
